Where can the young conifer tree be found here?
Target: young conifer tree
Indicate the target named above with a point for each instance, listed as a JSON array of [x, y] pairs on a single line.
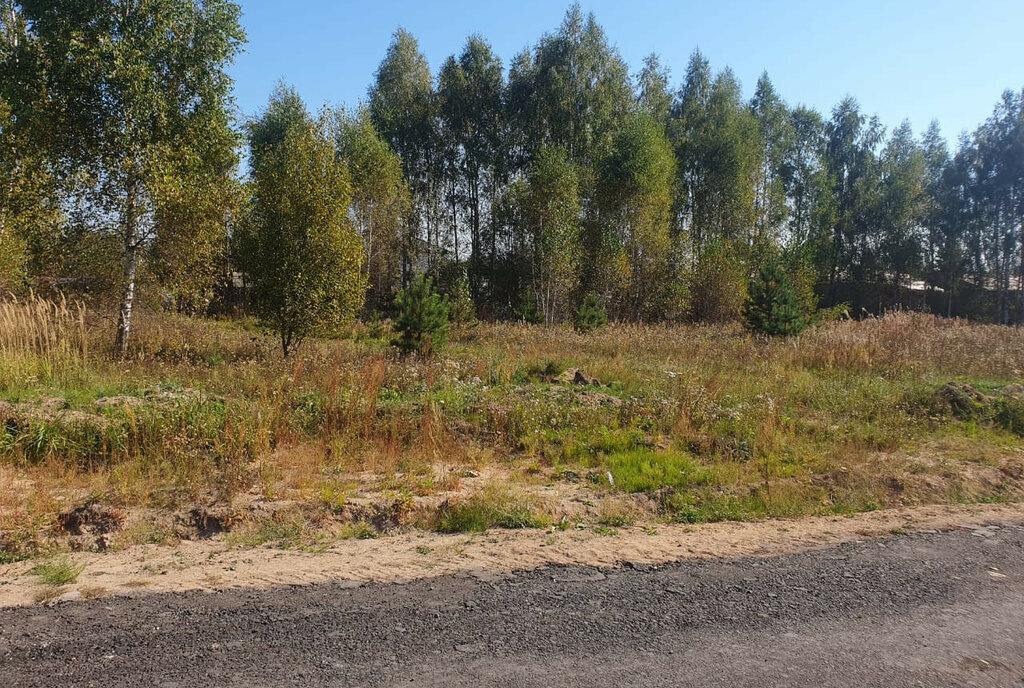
[[772, 305]]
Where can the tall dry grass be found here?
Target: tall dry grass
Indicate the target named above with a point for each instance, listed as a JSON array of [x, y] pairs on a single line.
[[49, 329], [41, 341], [905, 343]]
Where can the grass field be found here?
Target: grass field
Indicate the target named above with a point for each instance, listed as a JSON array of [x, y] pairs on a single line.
[[206, 428]]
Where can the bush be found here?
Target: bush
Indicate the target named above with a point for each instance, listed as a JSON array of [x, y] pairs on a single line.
[[1010, 415], [717, 287], [773, 306], [422, 321], [462, 309], [591, 314], [527, 312]]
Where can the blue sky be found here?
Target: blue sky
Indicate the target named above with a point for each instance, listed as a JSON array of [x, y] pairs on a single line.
[[914, 59]]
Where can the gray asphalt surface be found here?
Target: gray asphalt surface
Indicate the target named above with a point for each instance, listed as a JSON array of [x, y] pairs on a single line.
[[936, 609]]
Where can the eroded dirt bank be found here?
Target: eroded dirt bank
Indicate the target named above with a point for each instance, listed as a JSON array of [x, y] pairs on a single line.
[[214, 565]]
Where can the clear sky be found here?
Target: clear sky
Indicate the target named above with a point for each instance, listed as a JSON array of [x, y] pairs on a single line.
[[915, 59]]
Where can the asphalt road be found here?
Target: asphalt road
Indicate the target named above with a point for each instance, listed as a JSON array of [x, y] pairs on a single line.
[[931, 609]]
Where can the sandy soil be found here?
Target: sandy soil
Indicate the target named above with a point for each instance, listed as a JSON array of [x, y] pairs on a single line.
[[213, 565]]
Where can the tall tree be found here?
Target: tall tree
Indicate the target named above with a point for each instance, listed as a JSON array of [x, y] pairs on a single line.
[[652, 86], [716, 139], [298, 248], [633, 254], [579, 89], [805, 177], [776, 138], [29, 206], [999, 175], [689, 118], [471, 92], [402, 107], [950, 214], [139, 103], [851, 161], [380, 203], [902, 205], [549, 210]]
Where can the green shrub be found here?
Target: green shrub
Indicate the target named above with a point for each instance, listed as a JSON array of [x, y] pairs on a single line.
[[835, 313], [591, 314], [526, 311], [773, 306], [717, 287], [422, 322], [1009, 414], [462, 309]]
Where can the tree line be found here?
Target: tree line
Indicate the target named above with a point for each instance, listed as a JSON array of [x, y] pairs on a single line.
[[559, 179]]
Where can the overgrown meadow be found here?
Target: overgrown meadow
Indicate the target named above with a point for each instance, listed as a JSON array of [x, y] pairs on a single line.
[[205, 425]]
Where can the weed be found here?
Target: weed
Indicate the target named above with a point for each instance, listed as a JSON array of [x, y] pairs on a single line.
[[493, 507], [58, 571], [359, 530], [643, 470]]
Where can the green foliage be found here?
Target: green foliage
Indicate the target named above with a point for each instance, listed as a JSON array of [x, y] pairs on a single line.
[[772, 306], [717, 143], [461, 308], [591, 314], [12, 259], [380, 203], [402, 108], [118, 175], [58, 571], [1009, 414], [571, 91], [137, 113], [494, 507], [549, 208], [471, 90], [422, 321], [15, 200], [631, 257], [717, 286], [526, 310], [298, 248]]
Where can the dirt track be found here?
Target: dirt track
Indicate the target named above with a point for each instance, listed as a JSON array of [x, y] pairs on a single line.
[[925, 609]]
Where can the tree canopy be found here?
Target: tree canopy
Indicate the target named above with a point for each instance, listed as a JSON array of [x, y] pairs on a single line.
[[530, 185]]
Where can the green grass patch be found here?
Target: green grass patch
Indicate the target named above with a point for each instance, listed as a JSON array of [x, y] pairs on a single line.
[[644, 470], [58, 571], [494, 507]]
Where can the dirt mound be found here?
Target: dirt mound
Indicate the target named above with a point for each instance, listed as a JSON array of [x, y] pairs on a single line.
[[159, 396], [91, 526], [204, 522], [384, 517], [1013, 392], [53, 410], [575, 376], [964, 401]]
